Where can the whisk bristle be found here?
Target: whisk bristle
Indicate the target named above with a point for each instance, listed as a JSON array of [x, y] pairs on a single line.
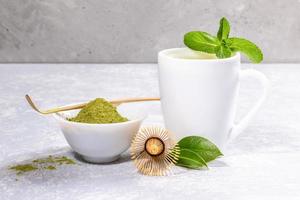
[[154, 151]]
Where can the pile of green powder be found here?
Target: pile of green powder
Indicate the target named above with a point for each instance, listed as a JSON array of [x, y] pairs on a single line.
[[49, 163], [98, 111]]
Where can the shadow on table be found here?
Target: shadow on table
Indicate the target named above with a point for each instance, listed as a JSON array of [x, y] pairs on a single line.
[[213, 164], [123, 158], [217, 163]]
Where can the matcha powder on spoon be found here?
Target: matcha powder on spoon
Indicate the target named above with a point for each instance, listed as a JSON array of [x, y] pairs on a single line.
[[98, 111]]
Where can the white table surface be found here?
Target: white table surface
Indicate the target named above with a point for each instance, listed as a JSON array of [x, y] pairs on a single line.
[[262, 163]]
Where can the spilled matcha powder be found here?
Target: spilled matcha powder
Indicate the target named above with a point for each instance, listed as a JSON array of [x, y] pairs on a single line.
[[20, 169], [98, 111], [48, 163]]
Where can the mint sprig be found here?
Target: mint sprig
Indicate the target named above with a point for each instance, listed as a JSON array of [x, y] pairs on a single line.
[[222, 45], [196, 152]]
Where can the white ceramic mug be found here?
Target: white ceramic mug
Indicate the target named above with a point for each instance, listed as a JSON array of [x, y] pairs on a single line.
[[199, 92]]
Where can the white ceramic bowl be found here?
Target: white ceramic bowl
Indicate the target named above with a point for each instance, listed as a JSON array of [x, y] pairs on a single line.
[[101, 143]]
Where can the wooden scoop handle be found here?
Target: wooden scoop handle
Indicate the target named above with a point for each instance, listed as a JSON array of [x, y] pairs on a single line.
[[79, 106]]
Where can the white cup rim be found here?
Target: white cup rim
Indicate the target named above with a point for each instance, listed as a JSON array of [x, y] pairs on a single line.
[[164, 54]]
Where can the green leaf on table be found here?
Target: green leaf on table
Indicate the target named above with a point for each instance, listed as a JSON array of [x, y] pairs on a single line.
[[201, 41], [224, 29], [190, 159], [200, 145], [246, 47]]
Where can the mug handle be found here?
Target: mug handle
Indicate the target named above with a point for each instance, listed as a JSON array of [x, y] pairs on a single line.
[[240, 126]]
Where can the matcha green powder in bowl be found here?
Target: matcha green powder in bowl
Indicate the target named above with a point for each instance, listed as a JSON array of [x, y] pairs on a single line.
[[98, 111], [101, 132]]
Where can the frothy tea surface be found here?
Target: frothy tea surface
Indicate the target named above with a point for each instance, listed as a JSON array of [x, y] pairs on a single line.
[[185, 53]]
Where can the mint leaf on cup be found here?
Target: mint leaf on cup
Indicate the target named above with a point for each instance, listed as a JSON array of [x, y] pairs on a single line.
[[201, 41], [224, 29], [223, 51], [222, 46], [246, 47]]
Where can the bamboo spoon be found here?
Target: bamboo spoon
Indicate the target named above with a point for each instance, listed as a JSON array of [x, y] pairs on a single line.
[[78, 106]]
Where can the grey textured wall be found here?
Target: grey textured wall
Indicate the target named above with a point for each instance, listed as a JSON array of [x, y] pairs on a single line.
[[134, 30]]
